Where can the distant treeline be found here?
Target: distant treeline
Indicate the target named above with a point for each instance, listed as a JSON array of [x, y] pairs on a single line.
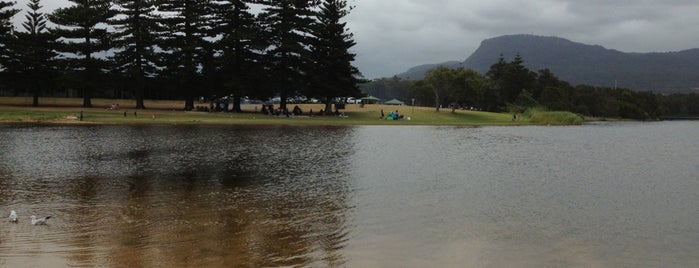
[[509, 86]]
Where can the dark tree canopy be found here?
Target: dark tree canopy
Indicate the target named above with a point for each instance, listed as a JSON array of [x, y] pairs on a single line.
[[193, 48], [239, 48], [508, 80], [332, 74], [287, 25], [441, 80], [32, 60], [137, 30], [188, 24], [6, 13], [83, 30], [6, 29]]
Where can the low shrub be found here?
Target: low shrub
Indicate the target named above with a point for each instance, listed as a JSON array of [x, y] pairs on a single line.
[[555, 118]]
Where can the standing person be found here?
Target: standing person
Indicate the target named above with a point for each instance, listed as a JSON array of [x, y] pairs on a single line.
[[382, 115]]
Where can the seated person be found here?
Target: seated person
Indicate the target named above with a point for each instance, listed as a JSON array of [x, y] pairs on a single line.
[[297, 110]]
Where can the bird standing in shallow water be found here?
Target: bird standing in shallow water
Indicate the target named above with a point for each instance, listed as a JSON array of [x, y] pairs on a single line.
[[13, 216], [39, 221]]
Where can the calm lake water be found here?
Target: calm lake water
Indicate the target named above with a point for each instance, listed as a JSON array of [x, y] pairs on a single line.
[[598, 195]]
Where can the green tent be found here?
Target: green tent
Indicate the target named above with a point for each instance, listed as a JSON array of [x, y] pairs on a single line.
[[370, 99], [394, 102]]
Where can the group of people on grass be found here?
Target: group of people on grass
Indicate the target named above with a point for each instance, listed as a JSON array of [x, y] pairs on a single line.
[[270, 110], [392, 115]]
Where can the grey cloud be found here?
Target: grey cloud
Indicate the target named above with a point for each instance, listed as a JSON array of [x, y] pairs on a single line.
[[633, 26]]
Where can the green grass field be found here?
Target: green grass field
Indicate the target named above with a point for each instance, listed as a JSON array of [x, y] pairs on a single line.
[[63, 110]]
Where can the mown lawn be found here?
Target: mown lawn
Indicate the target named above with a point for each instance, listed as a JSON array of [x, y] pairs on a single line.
[[63, 110]]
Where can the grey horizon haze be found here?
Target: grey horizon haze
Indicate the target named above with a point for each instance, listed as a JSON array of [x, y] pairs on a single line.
[[393, 35]]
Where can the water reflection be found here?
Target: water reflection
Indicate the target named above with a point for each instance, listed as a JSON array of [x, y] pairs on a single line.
[[177, 196], [619, 195], [600, 195]]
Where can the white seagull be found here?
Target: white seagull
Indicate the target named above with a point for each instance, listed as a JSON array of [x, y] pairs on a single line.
[[13, 216], [40, 221]]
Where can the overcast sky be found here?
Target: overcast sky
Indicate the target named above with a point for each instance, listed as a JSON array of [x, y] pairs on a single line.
[[394, 35]]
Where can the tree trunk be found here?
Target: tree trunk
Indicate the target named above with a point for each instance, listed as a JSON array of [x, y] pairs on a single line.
[[436, 100], [35, 101], [87, 98], [37, 92], [139, 103], [140, 95], [236, 103], [189, 103], [189, 97], [328, 106], [282, 102]]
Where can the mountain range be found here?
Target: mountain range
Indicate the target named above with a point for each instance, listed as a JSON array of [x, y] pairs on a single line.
[[579, 63]]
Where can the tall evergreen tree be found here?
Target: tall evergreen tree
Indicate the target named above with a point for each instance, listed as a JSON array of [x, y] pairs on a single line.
[[84, 33], [287, 23], [492, 97], [518, 79], [137, 32], [239, 46], [332, 74], [33, 52], [6, 29], [187, 25], [508, 80]]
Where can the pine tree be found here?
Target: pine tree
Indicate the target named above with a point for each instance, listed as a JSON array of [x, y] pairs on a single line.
[[287, 23], [6, 29], [510, 79], [493, 100], [83, 31], [137, 32], [333, 74], [239, 48], [187, 25], [33, 55]]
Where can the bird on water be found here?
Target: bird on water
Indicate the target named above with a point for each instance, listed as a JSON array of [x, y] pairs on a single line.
[[39, 221], [13, 216]]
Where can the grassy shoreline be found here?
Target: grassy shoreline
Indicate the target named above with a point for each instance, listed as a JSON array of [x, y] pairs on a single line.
[[67, 111]]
